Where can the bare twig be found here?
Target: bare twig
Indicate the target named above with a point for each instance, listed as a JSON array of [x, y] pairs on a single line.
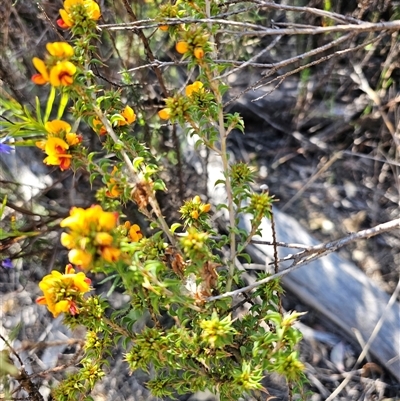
[[282, 77], [289, 61], [315, 252], [259, 30], [363, 83]]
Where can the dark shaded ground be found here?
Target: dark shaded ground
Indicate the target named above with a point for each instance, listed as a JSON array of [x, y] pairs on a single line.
[[318, 141]]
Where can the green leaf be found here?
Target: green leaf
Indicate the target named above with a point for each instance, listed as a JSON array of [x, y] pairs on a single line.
[[3, 205], [50, 102], [137, 161], [159, 185], [174, 226], [38, 110], [245, 256], [62, 105]]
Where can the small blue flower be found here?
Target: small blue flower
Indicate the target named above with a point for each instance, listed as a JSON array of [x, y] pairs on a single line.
[[7, 263], [3, 147]]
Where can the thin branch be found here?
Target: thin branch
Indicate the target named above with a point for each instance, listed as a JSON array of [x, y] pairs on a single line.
[[259, 30], [315, 252], [165, 64], [250, 61], [310, 10], [282, 77], [365, 27], [289, 61]]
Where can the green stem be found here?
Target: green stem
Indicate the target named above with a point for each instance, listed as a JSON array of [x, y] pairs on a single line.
[[223, 134]]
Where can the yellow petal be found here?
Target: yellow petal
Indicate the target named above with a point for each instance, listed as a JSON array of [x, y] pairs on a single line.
[[71, 3], [73, 139], [103, 239], [41, 67], [110, 254], [67, 240], [107, 221], [81, 282], [60, 307], [56, 127], [129, 115], [80, 258], [55, 146], [60, 49], [62, 74], [93, 10]]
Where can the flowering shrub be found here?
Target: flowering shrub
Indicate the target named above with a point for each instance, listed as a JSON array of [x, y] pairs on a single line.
[[163, 273]]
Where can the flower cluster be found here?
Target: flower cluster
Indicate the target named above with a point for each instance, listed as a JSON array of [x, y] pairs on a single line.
[[113, 189], [91, 234], [193, 42], [76, 12], [59, 144], [57, 68], [178, 105], [194, 210], [63, 292], [126, 117], [168, 11], [217, 332]]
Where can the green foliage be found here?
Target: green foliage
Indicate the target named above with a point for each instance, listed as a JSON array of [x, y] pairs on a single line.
[[164, 274]]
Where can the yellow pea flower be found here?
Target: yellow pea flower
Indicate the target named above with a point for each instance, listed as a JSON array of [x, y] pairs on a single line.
[[113, 190], [55, 146], [65, 21], [135, 233], [57, 155], [73, 139], [60, 49], [195, 87], [76, 220], [99, 127], [89, 8], [62, 74], [110, 254], [107, 221], [205, 208], [62, 291], [129, 116], [68, 240]]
